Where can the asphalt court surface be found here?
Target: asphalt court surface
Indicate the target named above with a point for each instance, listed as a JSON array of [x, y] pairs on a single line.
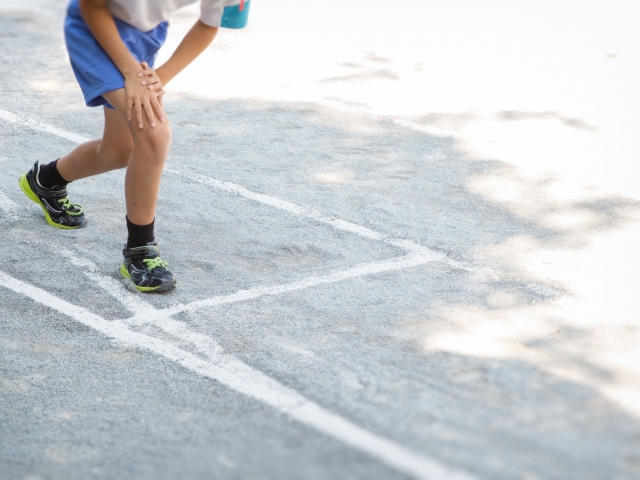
[[292, 346], [262, 330]]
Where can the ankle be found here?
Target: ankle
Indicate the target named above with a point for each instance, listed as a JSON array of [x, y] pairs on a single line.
[[139, 235], [49, 177]]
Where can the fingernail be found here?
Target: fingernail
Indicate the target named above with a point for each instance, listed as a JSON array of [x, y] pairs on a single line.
[[144, 82], [129, 119], [150, 87], [153, 124], [162, 119], [140, 126], [140, 74]]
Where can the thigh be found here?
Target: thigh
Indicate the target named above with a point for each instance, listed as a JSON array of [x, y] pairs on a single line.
[[118, 99], [116, 131]]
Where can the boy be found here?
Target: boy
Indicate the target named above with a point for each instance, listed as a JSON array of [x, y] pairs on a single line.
[[112, 45]]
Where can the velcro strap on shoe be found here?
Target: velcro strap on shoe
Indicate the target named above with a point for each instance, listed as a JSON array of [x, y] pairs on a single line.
[[146, 251], [57, 192]]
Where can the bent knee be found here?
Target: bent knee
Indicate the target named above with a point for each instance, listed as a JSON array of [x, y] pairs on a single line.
[[155, 140]]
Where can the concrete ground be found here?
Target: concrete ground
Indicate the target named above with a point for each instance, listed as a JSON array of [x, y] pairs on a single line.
[[405, 237]]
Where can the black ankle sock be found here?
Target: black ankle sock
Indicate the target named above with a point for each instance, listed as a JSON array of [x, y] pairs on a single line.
[[139, 235], [49, 176]]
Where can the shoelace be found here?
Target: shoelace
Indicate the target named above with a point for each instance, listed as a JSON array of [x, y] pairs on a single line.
[[67, 206], [155, 263]]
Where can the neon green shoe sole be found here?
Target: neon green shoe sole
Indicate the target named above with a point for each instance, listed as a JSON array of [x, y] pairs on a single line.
[[26, 188], [124, 272]]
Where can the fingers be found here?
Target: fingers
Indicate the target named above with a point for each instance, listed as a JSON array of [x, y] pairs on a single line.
[[145, 69], [146, 100], [149, 111], [158, 108], [159, 95], [153, 83], [148, 72], [148, 104], [151, 78], [138, 107], [130, 102]]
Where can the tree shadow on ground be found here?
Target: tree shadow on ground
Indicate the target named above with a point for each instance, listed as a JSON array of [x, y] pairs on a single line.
[[409, 184], [502, 412]]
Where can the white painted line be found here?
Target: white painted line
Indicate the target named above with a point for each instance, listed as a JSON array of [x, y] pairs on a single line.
[[265, 199], [12, 117], [280, 204], [144, 314], [133, 302], [115, 289], [240, 377], [244, 295], [205, 345], [9, 207], [318, 217]]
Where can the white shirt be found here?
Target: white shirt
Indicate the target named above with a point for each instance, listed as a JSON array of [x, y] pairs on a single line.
[[146, 15]]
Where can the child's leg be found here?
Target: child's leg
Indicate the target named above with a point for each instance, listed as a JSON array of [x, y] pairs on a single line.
[[144, 171], [111, 152], [142, 263]]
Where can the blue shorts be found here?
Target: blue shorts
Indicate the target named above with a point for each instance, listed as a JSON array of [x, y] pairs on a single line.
[[95, 71]]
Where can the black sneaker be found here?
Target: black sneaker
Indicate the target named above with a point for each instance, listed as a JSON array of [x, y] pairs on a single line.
[[57, 208], [145, 269]]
